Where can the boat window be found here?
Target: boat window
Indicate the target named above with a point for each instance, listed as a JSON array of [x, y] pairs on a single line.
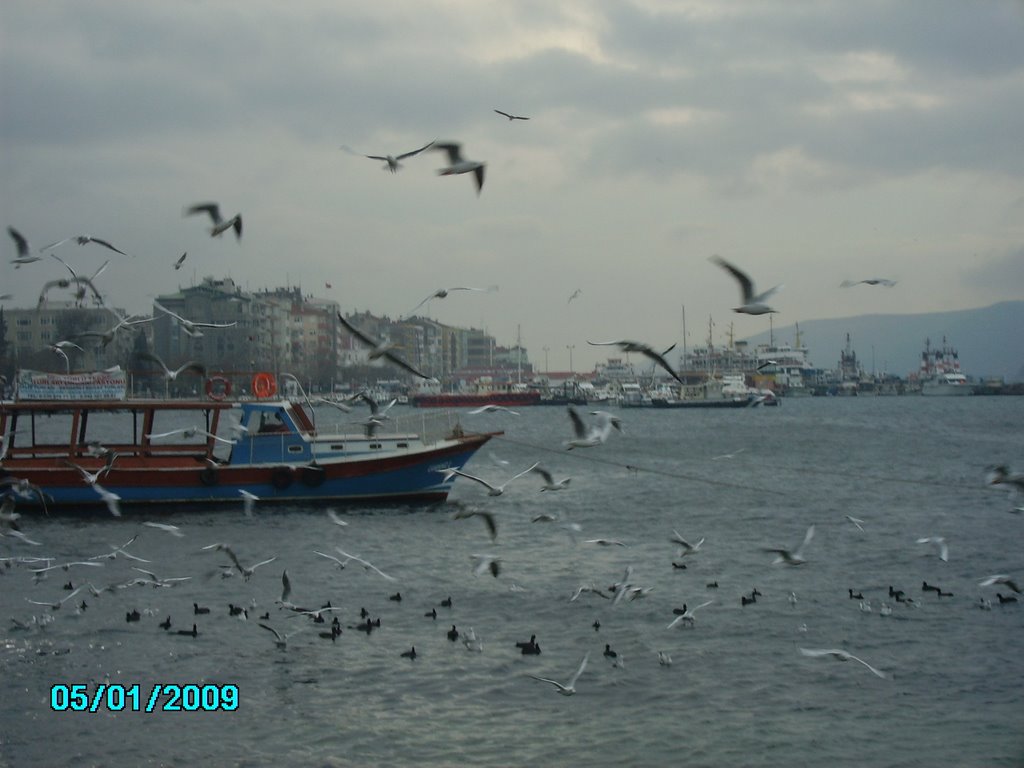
[[294, 449], [337, 447], [402, 445], [374, 446]]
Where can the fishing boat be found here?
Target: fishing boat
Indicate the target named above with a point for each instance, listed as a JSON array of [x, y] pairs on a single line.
[[208, 451]]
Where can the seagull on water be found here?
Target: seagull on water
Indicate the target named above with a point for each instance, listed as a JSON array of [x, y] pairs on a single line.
[[510, 116], [391, 162], [492, 490], [795, 557], [753, 303], [649, 352], [219, 224], [841, 655], [856, 521], [379, 348], [459, 165], [567, 688], [589, 436]]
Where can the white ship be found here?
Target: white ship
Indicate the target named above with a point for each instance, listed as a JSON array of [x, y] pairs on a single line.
[[940, 373]]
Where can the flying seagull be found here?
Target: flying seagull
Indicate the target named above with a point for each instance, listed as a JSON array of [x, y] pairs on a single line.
[[21, 244], [380, 348], [795, 557], [635, 346], [869, 281], [840, 655], [180, 261], [192, 365], [550, 484], [219, 224], [511, 117], [589, 436], [753, 304], [191, 327], [569, 687], [442, 293], [107, 336], [391, 161], [492, 490], [940, 542], [458, 165], [82, 240]]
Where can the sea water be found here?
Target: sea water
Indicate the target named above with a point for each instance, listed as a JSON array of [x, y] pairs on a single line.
[[738, 691]]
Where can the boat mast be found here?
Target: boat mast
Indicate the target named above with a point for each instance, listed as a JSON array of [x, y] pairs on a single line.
[[683, 360], [519, 354]]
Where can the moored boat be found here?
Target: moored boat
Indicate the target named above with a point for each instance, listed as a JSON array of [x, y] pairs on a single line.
[[940, 373], [184, 452], [509, 399]]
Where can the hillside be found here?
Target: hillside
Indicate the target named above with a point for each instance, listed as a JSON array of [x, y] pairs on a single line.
[[990, 340]]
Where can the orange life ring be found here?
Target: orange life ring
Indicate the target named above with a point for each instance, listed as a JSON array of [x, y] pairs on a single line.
[[215, 393], [263, 385]]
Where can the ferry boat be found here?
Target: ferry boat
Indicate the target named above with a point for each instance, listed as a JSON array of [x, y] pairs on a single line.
[[940, 373], [187, 452]]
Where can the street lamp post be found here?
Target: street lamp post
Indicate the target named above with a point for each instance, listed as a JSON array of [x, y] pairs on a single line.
[[547, 370], [570, 347]]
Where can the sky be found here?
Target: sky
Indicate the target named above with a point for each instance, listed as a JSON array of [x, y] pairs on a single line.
[[807, 143]]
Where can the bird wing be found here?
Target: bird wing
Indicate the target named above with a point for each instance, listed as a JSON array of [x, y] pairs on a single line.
[[286, 585], [365, 338], [276, 633], [468, 476], [478, 173], [153, 358], [415, 151], [578, 425], [524, 472], [548, 477], [19, 241], [504, 114], [746, 286], [329, 557], [209, 208], [403, 364], [579, 671], [104, 243], [454, 151]]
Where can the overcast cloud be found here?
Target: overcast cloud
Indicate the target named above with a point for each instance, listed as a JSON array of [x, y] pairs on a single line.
[[806, 142]]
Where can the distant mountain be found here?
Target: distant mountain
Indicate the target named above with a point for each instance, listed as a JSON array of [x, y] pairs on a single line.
[[990, 341]]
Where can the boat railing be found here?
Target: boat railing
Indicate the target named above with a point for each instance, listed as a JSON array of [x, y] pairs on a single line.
[[430, 425]]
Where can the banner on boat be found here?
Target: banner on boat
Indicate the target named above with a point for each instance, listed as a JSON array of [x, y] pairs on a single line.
[[97, 385]]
